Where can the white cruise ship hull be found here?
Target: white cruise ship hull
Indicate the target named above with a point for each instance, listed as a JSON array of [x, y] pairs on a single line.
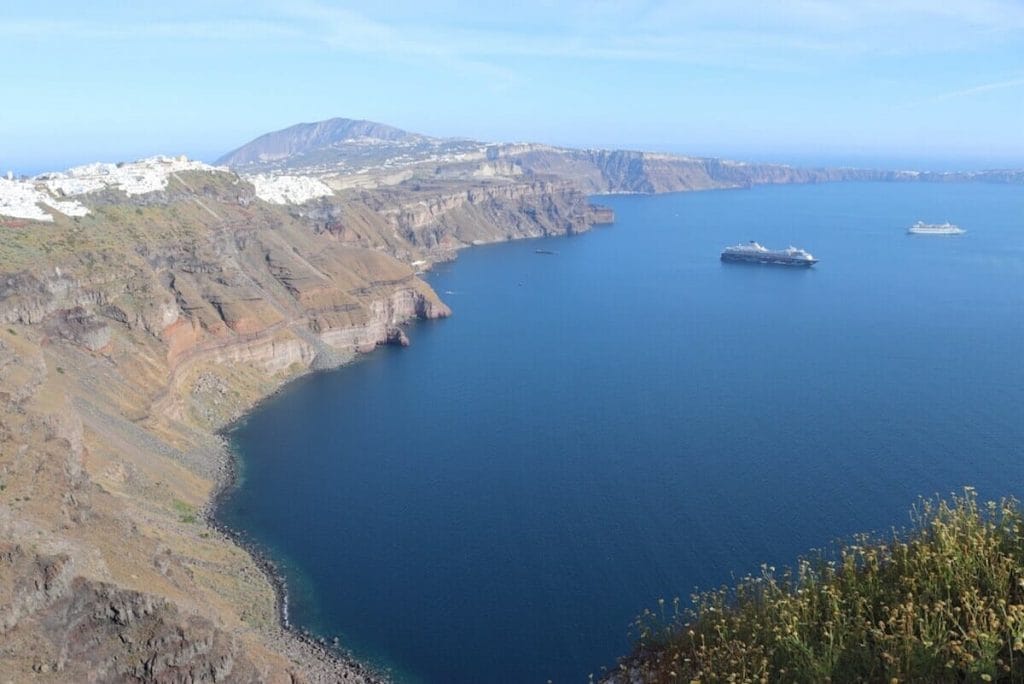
[[955, 231]]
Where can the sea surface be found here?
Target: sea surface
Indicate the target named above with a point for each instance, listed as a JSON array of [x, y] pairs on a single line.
[[630, 418]]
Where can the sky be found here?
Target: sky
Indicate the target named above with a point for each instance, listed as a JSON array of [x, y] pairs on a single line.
[[914, 82]]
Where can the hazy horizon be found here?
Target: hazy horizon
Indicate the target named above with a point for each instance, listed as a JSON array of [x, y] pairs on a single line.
[[793, 157], [904, 80]]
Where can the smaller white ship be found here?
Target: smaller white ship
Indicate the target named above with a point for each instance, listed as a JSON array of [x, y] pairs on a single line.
[[947, 228]]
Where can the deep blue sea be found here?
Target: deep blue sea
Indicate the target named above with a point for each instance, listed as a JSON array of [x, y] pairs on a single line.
[[631, 419]]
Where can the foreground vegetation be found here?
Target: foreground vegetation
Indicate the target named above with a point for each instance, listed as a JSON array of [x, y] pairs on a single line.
[[941, 602]]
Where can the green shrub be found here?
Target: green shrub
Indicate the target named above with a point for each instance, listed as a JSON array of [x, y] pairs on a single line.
[[941, 602], [186, 513]]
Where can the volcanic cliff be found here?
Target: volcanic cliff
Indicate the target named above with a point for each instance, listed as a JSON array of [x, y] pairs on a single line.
[[135, 329]]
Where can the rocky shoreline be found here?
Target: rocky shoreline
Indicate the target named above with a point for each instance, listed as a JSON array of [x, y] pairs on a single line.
[[332, 662]]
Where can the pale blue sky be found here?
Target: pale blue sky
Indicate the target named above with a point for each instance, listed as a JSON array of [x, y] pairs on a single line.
[[786, 79]]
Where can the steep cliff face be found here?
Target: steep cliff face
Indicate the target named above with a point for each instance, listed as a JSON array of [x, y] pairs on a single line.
[[613, 171], [129, 334], [431, 220], [133, 331], [490, 213]]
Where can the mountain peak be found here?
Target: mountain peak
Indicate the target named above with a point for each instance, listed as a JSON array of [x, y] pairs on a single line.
[[303, 139]]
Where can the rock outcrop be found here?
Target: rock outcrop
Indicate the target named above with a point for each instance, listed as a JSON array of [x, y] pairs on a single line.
[[67, 628]]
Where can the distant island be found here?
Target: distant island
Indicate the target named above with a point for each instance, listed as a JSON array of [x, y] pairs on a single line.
[[148, 304]]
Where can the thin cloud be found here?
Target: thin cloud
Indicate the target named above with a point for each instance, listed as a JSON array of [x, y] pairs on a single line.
[[791, 35], [732, 34], [48, 30], [975, 90]]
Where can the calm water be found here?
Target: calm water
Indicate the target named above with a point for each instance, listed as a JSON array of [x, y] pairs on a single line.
[[631, 418]]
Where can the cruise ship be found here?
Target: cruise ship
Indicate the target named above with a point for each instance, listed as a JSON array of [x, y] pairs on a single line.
[[757, 253], [947, 228]]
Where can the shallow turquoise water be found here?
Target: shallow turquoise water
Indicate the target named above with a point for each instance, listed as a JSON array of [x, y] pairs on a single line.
[[630, 419]]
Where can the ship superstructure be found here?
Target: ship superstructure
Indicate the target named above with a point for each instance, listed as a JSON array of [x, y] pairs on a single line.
[[947, 228], [754, 252]]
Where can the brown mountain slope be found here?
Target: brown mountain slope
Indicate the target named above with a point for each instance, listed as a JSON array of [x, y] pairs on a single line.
[[128, 337]]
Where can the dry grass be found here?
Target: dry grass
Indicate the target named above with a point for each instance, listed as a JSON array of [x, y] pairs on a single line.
[[941, 602]]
